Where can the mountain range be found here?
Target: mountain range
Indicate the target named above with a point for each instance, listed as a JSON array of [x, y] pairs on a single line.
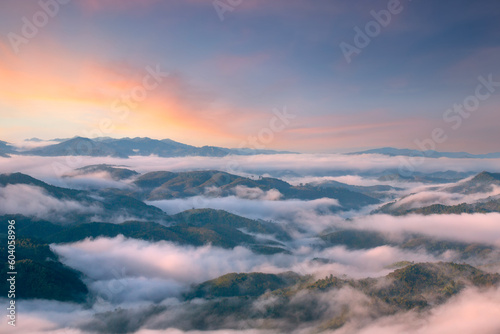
[[83, 206], [162, 185], [126, 147], [482, 187], [6, 149], [284, 302], [288, 298], [393, 152]]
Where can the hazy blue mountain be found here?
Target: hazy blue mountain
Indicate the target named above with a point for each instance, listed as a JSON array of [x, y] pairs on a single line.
[[147, 146], [481, 183], [390, 151], [427, 178], [5, 149], [77, 146], [126, 147]]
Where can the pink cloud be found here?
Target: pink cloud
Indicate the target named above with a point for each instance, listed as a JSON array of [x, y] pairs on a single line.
[[93, 6]]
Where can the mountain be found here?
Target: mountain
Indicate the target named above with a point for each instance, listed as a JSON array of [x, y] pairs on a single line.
[[355, 239], [40, 274], [225, 221], [77, 146], [390, 151], [414, 286], [377, 191], [427, 178], [286, 302], [57, 192], [239, 285], [425, 284], [194, 227], [484, 206], [147, 146], [5, 149], [481, 183], [126, 147], [363, 239], [85, 206], [168, 185], [115, 172]]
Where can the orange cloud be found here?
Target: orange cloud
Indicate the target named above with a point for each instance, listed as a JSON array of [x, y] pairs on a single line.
[[76, 94]]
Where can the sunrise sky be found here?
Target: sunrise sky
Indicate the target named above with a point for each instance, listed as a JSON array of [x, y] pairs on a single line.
[[231, 63]]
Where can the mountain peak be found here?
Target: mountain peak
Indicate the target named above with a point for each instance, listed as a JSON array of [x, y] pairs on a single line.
[[487, 177], [18, 178]]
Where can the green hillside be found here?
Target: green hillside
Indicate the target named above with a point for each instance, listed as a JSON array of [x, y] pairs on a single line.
[[40, 275]]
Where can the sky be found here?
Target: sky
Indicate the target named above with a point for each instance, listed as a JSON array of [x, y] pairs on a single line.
[[309, 76]]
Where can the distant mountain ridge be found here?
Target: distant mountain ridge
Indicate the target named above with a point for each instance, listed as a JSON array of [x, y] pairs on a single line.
[[5, 149], [162, 185], [127, 147], [483, 184], [144, 146], [393, 152]]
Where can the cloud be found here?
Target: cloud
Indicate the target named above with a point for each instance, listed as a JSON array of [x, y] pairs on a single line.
[[122, 270], [144, 264], [50, 317], [96, 180], [416, 196], [91, 87], [28, 145], [257, 193], [471, 228], [137, 275], [298, 212], [282, 165], [126, 290], [354, 180], [34, 201], [469, 312], [426, 198]]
